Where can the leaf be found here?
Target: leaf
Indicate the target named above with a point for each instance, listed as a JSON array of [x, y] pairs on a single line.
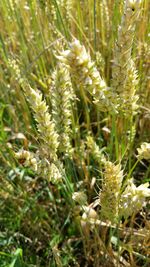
[[17, 259]]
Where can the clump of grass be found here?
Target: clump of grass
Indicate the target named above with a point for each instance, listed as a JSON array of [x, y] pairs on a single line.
[[71, 136]]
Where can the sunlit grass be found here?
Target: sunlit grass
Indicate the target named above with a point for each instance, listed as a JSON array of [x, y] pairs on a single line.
[[55, 215]]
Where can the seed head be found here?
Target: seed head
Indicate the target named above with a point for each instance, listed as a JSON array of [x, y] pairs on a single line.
[[79, 197], [144, 151], [27, 158], [133, 198], [110, 194]]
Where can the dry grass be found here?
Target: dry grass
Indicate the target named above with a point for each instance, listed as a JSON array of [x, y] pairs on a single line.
[[74, 133]]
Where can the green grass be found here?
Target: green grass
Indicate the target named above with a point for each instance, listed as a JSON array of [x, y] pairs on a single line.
[[40, 223]]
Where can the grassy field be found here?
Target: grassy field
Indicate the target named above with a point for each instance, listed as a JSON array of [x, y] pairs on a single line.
[[74, 133]]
